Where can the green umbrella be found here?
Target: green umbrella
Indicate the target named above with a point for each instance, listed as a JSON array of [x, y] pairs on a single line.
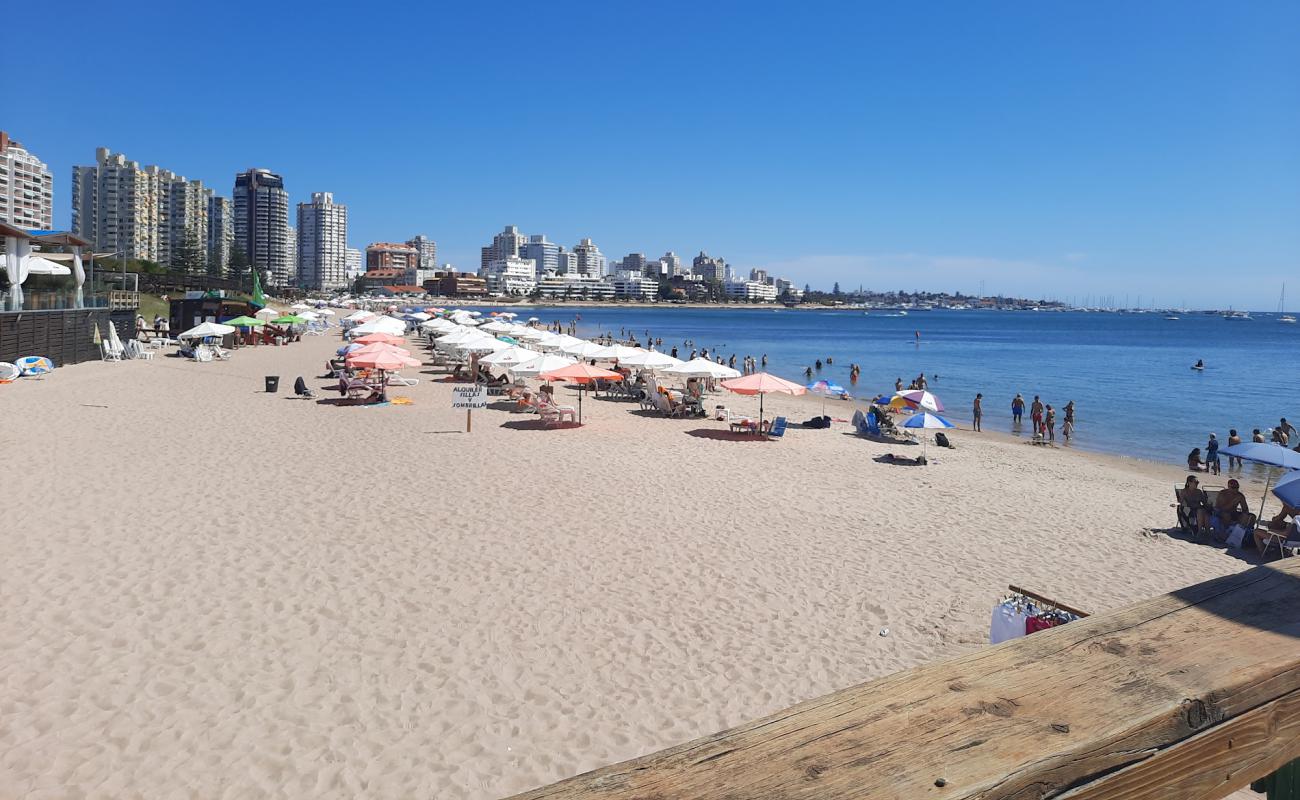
[[288, 319], [244, 322]]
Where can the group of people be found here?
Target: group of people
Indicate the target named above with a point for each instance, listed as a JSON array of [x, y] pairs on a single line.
[[1230, 512], [1041, 416], [1208, 460], [161, 327]]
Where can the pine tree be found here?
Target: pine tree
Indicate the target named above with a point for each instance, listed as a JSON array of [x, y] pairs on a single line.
[[836, 290], [189, 258], [237, 269]]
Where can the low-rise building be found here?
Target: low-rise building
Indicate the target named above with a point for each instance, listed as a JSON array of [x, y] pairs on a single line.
[[750, 291], [372, 279], [510, 276], [462, 284], [634, 287], [574, 287]]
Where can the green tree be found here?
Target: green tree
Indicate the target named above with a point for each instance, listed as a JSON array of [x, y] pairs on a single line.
[[189, 258], [836, 291], [237, 269]]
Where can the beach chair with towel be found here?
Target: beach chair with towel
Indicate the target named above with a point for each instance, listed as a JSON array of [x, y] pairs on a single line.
[[776, 429]]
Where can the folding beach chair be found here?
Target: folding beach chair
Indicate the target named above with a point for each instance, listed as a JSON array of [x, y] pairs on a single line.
[[777, 428]]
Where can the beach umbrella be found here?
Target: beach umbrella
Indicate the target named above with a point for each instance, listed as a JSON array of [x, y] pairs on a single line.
[[380, 325], [541, 362], [1287, 489], [206, 329], [372, 338], [825, 389], [325, 311], [300, 306], [309, 315], [703, 368], [918, 398], [582, 374], [926, 421], [484, 345], [617, 352], [651, 360], [509, 357], [288, 319], [377, 347], [267, 313], [762, 383], [419, 315], [559, 341], [496, 326], [355, 316], [527, 334], [1274, 455], [582, 349]]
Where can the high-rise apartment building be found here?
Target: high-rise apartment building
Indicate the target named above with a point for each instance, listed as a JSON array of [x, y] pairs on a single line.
[[145, 213], [510, 275], [711, 269], [262, 225], [566, 262], [590, 261], [26, 187], [322, 243], [672, 263], [355, 264], [221, 235], [427, 251], [635, 262], [545, 255], [506, 244]]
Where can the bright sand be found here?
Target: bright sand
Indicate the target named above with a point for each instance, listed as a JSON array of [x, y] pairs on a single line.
[[210, 591]]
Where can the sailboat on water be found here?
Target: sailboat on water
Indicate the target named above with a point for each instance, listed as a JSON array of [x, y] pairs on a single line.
[[1289, 319]]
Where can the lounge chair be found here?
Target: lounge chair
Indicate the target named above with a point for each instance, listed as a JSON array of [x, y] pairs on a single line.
[[398, 380], [1186, 514], [109, 353], [741, 424], [355, 388], [1287, 541], [553, 414], [776, 429]]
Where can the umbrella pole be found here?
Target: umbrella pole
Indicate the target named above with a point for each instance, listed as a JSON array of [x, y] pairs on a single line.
[[760, 412], [580, 404], [1267, 482]]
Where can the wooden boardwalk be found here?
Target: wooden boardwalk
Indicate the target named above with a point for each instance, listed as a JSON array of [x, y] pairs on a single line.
[[1189, 695]]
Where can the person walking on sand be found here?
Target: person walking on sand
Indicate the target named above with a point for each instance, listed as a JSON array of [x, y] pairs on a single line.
[[1049, 423], [1017, 409], [978, 410], [1036, 414]]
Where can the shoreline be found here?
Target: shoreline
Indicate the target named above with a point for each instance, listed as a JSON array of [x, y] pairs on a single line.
[[367, 600]]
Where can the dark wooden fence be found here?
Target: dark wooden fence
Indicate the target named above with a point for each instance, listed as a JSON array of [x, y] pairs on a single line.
[[170, 283], [64, 336]]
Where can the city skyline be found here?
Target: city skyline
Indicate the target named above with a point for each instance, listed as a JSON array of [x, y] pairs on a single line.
[[1036, 152]]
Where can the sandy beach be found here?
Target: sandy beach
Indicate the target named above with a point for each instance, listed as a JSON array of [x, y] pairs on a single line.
[[210, 591]]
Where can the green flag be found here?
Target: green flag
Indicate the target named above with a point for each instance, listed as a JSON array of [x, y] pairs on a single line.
[[259, 299]]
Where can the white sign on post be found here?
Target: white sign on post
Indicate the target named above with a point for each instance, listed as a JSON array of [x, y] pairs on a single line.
[[468, 397]]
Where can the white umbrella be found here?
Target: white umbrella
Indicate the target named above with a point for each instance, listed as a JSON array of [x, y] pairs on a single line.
[[529, 335], [389, 325], [268, 313], [485, 345], [325, 311], [454, 337], [355, 316], [496, 327], [309, 315], [583, 349], [43, 266], [650, 359], [300, 306], [509, 357], [618, 352], [559, 341], [702, 368], [439, 325], [204, 329], [547, 362]]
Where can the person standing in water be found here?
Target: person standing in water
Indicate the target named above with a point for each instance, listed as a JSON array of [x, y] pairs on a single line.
[[1049, 423], [978, 410], [1017, 409]]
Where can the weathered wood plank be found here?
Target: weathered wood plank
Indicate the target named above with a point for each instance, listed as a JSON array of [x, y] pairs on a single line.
[[1032, 718]]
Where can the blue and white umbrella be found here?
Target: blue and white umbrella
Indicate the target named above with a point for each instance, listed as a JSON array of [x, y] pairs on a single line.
[[1288, 490], [825, 389], [926, 421], [1274, 455]]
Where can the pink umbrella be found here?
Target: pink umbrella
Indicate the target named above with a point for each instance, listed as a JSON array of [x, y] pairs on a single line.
[[922, 399], [385, 362], [380, 338], [761, 383]]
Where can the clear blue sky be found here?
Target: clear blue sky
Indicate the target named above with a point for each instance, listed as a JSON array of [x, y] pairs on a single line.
[[1056, 148]]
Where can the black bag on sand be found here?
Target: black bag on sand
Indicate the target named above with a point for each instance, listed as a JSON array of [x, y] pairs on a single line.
[[818, 422], [300, 388], [942, 441]]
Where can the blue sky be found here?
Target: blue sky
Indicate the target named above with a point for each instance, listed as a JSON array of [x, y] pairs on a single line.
[[1044, 148]]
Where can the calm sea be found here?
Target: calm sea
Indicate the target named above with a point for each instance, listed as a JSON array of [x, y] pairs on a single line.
[[1129, 375]]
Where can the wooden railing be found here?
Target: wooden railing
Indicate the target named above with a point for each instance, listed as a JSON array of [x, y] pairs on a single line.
[[1190, 695]]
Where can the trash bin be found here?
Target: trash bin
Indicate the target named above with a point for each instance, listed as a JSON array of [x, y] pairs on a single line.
[[272, 383]]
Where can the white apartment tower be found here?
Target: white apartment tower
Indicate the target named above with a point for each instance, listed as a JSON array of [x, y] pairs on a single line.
[[506, 244], [546, 255], [591, 263], [26, 187], [262, 225], [427, 250], [355, 264], [323, 243], [221, 235], [672, 263], [141, 212]]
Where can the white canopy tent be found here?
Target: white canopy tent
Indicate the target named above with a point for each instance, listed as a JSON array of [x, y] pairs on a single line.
[[702, 368], [204, 329]]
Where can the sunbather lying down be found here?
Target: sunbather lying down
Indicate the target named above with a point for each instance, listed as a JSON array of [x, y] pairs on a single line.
[[890, 458]]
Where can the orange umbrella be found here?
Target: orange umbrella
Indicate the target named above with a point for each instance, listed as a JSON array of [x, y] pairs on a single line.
[[380, 338], [761, 383], [582, 374]]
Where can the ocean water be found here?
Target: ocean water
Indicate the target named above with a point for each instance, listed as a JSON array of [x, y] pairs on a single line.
[[1129, 375]]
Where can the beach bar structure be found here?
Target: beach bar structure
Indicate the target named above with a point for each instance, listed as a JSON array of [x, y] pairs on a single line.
[[56, 320], [1194, 694]]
